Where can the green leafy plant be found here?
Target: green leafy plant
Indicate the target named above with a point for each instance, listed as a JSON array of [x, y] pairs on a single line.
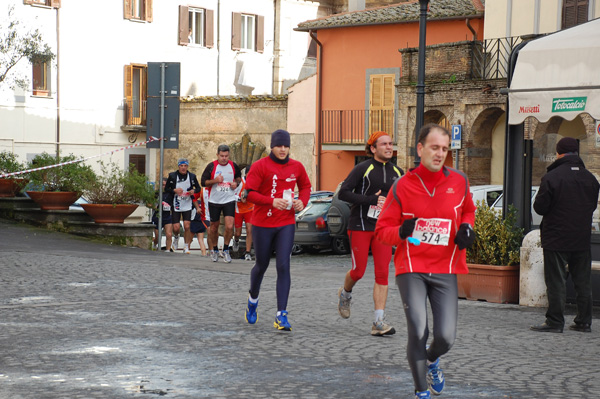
[[118, 186], [72, 177], [9, 163], [498, 240]]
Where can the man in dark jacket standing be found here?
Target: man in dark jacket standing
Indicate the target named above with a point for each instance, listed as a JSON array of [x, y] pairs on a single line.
[[567, 198]]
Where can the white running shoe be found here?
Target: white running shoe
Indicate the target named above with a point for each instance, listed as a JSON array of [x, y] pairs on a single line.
[[227, 257], [175, 243], [248, 257], [186, 250], [236, 245]]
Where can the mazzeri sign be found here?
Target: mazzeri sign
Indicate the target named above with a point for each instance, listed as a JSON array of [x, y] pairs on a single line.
[[569, 104]]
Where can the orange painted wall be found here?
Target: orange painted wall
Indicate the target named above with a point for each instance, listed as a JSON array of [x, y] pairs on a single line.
[[349, 52]]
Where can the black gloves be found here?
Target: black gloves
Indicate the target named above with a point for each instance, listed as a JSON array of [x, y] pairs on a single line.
[[406, 229], [464, 236]]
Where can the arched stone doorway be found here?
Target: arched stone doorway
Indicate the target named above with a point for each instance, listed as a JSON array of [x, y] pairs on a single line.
[[484, 157], [549, 133]]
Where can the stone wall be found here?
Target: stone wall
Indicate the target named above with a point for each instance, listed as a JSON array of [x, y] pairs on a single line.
[[453, 94], [244, 123]]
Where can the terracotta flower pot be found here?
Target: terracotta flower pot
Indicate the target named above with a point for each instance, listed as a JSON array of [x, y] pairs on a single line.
[[11, 187], [108, 213], [498, 284], [50, 200]]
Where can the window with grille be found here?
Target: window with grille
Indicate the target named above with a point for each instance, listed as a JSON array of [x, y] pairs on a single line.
[[575, 12], [135, 94]]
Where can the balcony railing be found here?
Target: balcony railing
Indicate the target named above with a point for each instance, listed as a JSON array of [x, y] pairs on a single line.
[[491, 57], [135, 112], [355, 126]]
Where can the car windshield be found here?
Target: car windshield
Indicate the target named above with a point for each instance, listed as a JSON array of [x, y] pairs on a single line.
[[315, 208]]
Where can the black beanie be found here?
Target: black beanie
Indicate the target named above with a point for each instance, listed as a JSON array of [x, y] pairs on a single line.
[[567, 144], [280, 137]]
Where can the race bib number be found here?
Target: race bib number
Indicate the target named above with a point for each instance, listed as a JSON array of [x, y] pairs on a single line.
[[224, 186], [166, 207], [373, 211], [433, 231], [182, 203]]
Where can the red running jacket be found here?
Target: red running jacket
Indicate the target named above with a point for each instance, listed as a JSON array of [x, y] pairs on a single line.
[[267, 180], [450, 200]]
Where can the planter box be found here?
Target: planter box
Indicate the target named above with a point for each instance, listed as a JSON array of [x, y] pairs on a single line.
[[497, 284]]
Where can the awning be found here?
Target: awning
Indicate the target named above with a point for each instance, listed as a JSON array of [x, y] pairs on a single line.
[[558, 75]]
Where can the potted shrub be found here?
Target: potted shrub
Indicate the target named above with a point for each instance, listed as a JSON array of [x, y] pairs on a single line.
[[494, 258], [116, 193], [58, 187], [10, 186]]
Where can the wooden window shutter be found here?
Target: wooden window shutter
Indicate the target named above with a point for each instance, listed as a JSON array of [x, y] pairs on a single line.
[[236, 31], [138, 162], [381, 103], [128, 74], [582, 12], [127, 9], [148, 10], [375, 81], [575, 12], [260, 33], [209, 28], [184, 25]]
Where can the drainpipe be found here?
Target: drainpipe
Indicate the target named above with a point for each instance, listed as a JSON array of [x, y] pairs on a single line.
[[218, 47], [57, 83], [468, 21], [319, 109], [275, 84]]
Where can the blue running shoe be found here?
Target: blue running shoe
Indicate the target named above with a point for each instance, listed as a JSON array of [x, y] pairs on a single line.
[[423, 395], [251, 313], [435, 377], [281, 322]]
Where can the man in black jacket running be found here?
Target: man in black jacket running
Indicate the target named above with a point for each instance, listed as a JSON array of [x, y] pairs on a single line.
[[567, 198]]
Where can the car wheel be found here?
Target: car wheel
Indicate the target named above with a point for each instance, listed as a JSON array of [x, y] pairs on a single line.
[[297, 249], [340, 245]]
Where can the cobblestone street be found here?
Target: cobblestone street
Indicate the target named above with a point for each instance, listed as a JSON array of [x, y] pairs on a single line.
[[80, 319]]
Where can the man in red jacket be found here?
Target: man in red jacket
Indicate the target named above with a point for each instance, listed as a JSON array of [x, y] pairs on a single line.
[[429, 215], [270, 186]]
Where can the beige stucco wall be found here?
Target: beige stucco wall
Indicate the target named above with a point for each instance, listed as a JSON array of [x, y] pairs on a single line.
[[207, 122], [523, 17]]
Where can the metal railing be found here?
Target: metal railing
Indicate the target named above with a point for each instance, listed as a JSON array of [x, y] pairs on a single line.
[[491, 57], [355, 126], [135, 112]]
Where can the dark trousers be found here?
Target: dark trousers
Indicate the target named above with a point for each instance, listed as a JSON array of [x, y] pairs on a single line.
[[267, 239], [555, 275]]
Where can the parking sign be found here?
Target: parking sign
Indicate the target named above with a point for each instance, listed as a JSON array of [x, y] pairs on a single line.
[[456, 137]]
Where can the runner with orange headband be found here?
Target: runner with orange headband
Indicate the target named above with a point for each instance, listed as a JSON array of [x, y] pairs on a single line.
[[366, 188]]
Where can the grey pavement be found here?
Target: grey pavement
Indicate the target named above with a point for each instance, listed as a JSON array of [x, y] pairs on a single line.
[[80, 319]]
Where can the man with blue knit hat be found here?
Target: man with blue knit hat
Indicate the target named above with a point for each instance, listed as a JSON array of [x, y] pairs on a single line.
[[567, 198], [270, 187]]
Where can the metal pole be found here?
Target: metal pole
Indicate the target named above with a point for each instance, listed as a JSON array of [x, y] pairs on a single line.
[[162, 152], [421, 76]]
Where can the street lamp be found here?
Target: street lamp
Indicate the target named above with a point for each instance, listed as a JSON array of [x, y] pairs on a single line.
[[421, 76]]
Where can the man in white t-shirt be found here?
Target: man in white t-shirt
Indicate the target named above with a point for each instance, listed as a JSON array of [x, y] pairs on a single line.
[[221, 177]]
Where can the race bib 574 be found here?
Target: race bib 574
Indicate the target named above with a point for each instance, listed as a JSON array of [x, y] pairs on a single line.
[[433, 231]]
